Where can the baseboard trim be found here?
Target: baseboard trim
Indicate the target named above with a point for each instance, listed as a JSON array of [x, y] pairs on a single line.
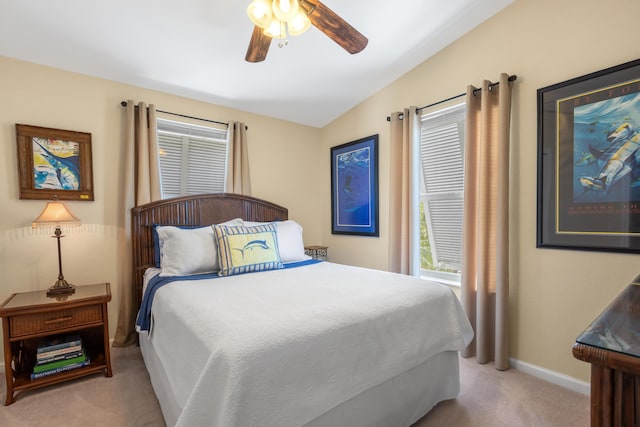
[[553, 377]]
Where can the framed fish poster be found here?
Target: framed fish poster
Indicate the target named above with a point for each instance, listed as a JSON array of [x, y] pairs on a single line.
[[54, 163], [589, 161], [354, 187]]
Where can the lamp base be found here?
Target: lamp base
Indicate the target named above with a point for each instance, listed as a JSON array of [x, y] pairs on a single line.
[[61, 287]]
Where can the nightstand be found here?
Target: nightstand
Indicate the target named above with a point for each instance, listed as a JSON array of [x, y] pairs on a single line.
[[29, 317], [316, 252]]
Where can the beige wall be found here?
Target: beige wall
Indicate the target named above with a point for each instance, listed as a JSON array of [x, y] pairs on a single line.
[[554, 293], [41, 96]]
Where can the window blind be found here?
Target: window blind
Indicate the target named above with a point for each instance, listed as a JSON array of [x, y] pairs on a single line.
[[442, 171], [192, 158]]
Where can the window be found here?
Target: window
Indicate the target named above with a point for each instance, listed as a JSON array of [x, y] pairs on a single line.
[[441, 193], [192, 158]]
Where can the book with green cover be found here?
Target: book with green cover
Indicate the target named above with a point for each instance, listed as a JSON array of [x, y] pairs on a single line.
[[59, 363], [36, 375]]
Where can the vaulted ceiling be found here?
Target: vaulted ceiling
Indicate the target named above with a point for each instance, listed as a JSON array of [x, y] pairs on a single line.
[[196, 48]]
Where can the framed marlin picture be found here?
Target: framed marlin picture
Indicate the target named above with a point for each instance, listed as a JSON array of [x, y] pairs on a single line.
[[354, 187], [54, 163], [589, 161]]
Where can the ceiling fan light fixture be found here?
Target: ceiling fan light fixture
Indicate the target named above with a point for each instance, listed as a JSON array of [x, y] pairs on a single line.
[[260, 12], [285, 10], [299, 24], [295, 17]]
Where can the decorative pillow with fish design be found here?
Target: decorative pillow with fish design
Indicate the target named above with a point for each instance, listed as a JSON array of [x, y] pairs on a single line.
[[247, 249]]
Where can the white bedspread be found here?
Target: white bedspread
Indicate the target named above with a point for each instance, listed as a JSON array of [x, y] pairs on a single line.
[[279, 348]]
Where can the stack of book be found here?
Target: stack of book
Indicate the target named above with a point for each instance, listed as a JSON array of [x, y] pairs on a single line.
[[59, 354]]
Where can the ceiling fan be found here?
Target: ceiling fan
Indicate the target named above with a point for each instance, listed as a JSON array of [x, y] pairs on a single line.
[[274, 19]]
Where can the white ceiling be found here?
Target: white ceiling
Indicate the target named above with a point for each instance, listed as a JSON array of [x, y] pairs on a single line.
[[196, 49]]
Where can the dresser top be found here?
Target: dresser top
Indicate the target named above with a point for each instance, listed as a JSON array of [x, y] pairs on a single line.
[[617, 328]]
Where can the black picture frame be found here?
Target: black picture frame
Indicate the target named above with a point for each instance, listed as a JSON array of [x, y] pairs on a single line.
[[588, 162], [354, 187]]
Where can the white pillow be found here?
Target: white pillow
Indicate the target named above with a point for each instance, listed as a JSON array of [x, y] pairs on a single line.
[[290, 242], [186, 251]]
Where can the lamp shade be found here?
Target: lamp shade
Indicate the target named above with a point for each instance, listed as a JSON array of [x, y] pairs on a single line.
[[55, 213]]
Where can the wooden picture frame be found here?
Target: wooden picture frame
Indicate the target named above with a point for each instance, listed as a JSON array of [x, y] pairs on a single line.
[[354, 187], [589, 161], [54, 163]]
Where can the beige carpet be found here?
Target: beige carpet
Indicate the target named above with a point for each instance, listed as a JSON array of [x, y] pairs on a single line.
[[488, 398], [509, 398], [126, 399]]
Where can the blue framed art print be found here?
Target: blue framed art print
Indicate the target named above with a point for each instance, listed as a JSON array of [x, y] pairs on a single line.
[[354, 187], [589, 161]]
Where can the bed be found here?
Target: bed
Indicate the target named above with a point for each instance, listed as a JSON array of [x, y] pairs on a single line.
[[299, 342]]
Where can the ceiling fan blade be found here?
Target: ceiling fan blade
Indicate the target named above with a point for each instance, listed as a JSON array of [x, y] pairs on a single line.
[[258, 46], [334, 27]]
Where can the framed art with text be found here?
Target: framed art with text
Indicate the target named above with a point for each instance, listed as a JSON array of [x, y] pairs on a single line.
[[54, 163], [589, 161], [354, 187]]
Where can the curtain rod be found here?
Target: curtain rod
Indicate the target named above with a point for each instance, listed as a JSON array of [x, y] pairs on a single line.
[[511, 78], [124, 104]]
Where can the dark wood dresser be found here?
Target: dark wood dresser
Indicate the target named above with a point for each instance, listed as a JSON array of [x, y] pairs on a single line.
[[612, 345]]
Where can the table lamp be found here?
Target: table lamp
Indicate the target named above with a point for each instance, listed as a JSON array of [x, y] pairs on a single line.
[[57, 213]]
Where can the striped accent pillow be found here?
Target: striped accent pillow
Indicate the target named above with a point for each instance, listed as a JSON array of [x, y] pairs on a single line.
[[246, 249]]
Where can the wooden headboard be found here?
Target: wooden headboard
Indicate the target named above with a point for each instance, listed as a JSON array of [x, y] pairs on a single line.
[[202, 209]]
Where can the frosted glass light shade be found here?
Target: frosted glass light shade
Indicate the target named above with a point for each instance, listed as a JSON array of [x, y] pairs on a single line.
[[260, 12], [285, 10], [299, 24], [276, 17], [276, 30]]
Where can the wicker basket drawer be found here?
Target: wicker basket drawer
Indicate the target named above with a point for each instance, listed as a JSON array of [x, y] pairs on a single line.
[[42, 322]]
